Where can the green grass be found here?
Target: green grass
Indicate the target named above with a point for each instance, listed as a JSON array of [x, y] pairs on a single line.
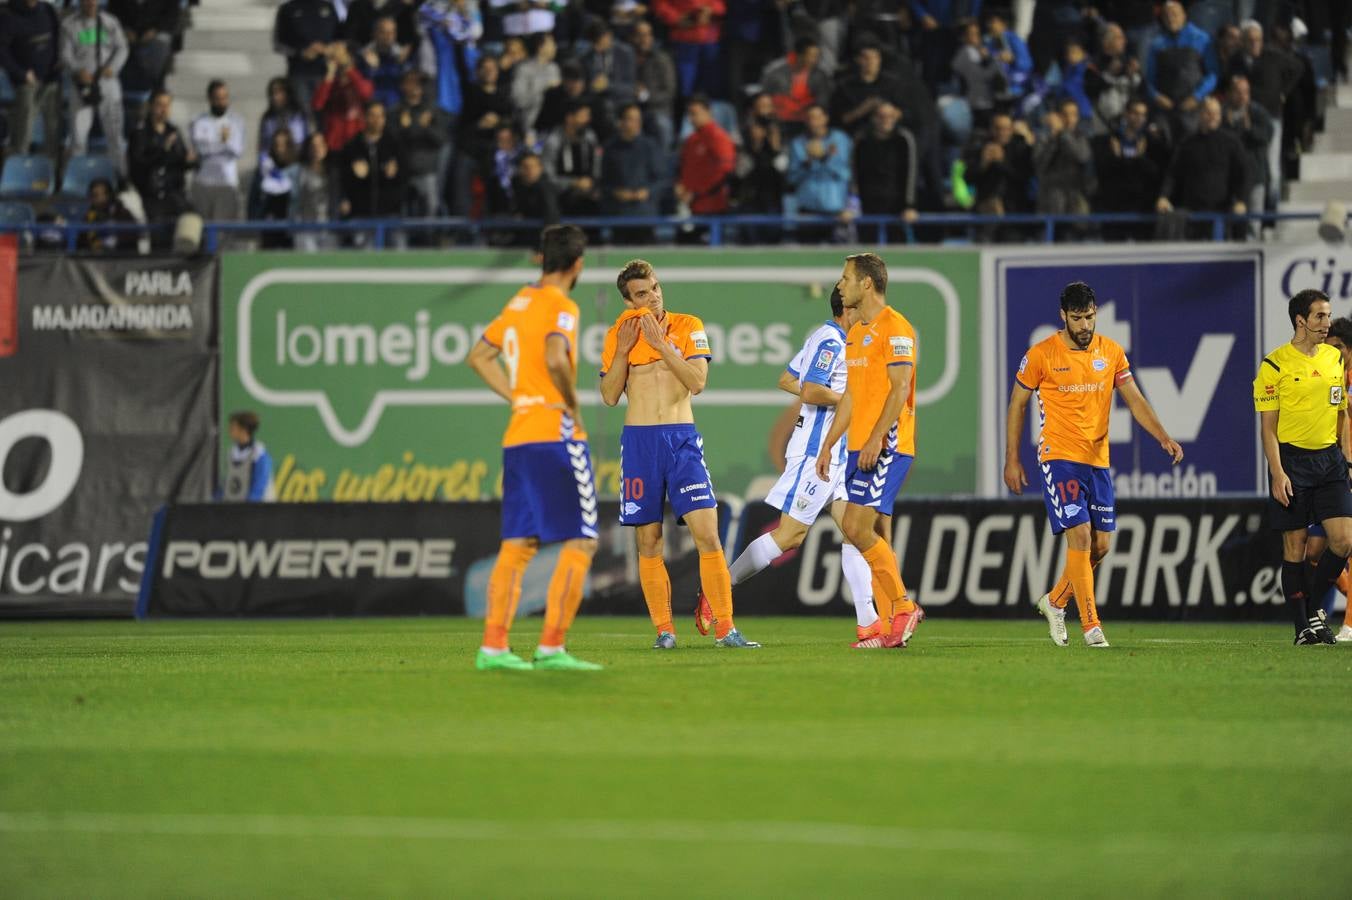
[[368, 758]]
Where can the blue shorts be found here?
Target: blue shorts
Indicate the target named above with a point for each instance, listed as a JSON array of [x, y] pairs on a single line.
[[877, 489], [548, 492], [1076, 493], [662, 462]]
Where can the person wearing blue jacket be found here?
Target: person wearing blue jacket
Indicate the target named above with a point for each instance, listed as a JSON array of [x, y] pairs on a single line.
[[819, 166], [248, 477], [1181, 70]]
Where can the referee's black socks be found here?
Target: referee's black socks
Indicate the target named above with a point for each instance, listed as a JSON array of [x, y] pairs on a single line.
[[1293, 588]]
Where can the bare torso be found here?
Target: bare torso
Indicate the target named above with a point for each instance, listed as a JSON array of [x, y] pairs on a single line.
[[656, 397]]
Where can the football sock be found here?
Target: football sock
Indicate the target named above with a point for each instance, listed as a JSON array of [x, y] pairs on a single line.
[[565, 596], [504, 592], [1293, 588], [717, 585], [1081, 576], [653, 578], [889, 593], [1061, 595], [1345, 585], [757, 555], [860, 579]]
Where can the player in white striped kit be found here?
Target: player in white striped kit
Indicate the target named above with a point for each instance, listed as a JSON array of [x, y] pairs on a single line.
[[817, 375]]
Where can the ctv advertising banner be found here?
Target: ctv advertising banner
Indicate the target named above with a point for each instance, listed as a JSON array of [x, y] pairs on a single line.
[[1290, 269], [1189, 322], [107, 412], [355, 362]]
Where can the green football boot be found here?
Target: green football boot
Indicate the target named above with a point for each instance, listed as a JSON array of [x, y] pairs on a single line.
[[509, 661], [564, 660]]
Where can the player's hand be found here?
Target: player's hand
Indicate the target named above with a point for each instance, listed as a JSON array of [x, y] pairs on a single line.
[[1170, 446], [653, 333], [1015, 479], [869, 453], [627, 337], [824, 466], [1282, 491]]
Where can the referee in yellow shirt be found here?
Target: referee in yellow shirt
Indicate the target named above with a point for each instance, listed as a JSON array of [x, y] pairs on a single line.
[[1299, 394]]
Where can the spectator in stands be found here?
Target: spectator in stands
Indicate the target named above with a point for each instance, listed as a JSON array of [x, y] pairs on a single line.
[[1136, 18], [93, 51], [248, 477], [303, 31], [314, 192], [371, 169], [533, 78], [751, 39], [610, 66], [978, 72], [831, 18], [633, 171], [695, 28], [1181, 70], [105, 207], [278, 173], [1062, 161], [858, 94], [885, 165], [158, 163], [1228, 44], [761, 163], [513, 53], [448, 51], [1056, 23], [521, 18], [1209, 172], [423, 131], [487, 106], [150, 27], [1130, 161], [1010, 54], [533, 196], [706, 161], [359, 27], [218, 137], [797, 82], [284, 113], [1114, 79], [1075, 75], [655, 87], [1252, 125], [1000, 167], [30, 48], [501, 169], [384, 61], [341, 97], [572, 160], [819, 166], [569, 92], [940, 27], [1273, 76]]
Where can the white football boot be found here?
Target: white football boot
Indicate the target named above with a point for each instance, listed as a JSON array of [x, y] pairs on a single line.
[[1344, 635], [1056, 620], [1094, 637]]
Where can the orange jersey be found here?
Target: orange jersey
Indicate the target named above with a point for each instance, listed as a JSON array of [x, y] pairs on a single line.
[[889, 340], [1075, 394], [520, 332], [685, 333]]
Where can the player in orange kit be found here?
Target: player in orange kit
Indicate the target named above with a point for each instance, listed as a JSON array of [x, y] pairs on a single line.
[[1073, 374], [660, 359], [548, 493], [878, 412]]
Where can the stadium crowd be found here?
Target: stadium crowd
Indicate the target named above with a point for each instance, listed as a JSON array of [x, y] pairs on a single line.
[[541, 109]]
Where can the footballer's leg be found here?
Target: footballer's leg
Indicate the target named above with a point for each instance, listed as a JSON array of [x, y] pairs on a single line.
[[751, 561], [504, 592], [868, 625], [715, 582], [1331, 564], [656, 583]]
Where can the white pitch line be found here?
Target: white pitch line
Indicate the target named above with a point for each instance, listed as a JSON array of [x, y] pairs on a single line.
[[818, 834]]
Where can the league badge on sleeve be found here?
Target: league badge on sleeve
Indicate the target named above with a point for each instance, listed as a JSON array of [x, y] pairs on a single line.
[[566, 321], [901, 345]]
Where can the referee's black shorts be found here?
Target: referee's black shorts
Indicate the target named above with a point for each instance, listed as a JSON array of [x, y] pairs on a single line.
[[1319, 483]]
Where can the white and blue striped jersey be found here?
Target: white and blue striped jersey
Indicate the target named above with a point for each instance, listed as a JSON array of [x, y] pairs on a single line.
[[821, 361]]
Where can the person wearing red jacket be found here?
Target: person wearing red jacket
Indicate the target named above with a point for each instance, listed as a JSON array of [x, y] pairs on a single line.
[[707, 160], [695, 28], [340, 99]]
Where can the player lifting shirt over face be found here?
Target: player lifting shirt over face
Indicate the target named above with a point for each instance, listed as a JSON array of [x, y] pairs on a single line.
[[660, 359]]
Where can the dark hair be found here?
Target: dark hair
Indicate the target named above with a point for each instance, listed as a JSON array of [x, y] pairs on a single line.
[[635, 268], [371, 104], [561, 246], [872, 267], [596, 29], [802, 44], [213, 84], [698, 100], [1341, 328], [246, 419], [811, 106], [1299, 307], [289, 104], [837, 303], [624, 108], [307, 153], [575, 106], [108, 186], [572, 70], [1077, 297]]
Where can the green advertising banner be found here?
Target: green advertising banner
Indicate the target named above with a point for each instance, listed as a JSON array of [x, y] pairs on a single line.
[[355, 362]]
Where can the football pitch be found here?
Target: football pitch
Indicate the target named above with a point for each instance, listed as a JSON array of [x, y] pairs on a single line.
[[368, 758]]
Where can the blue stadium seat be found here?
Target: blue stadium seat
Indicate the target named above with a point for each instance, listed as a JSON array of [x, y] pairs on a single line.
[[71, 209], [27, 177], [6, 89], [16, 214], [956, 115], [82, 170]]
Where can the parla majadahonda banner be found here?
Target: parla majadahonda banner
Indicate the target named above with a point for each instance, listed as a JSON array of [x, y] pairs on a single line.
[[107, 411]]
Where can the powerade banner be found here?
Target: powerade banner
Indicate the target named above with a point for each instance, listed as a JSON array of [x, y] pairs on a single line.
[[1189, 322], [107, 412], [1208, 559], [355, 363]]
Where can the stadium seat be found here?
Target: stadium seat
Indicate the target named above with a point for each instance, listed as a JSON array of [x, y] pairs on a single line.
[[6, 89], [956, 116], [71, 209], [82, 170], [12, 213], [26, 178]]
